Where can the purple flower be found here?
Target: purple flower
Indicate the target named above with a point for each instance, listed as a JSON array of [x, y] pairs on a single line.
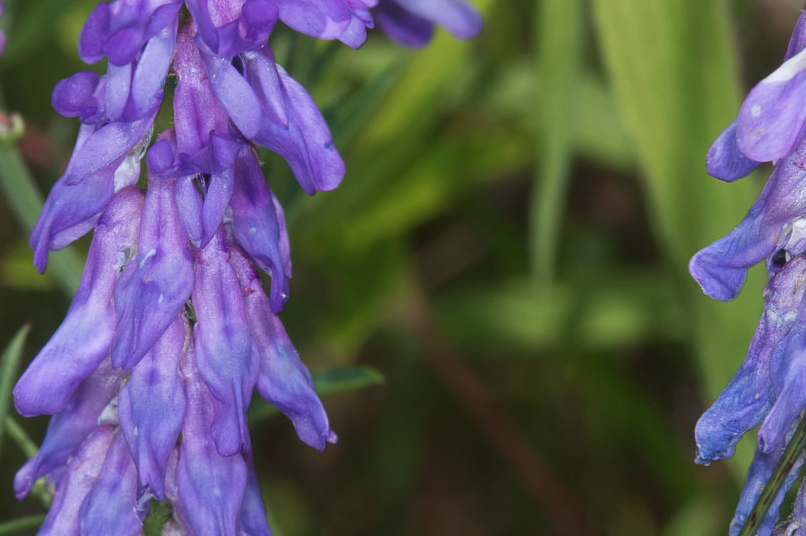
[[150, 375], [411, 22], [345, 20], [83, 340], [769, 388], [772, 119]]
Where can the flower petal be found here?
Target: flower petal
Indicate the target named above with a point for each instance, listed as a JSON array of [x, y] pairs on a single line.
[[83, 339], [721, 267], [151, 408], [725, 161], [81, 475], [110, 507], [210, 487], [68, 428], [284, 380], [258, 227], [306, 143], [223, 345], [772, 117], [154, 287]]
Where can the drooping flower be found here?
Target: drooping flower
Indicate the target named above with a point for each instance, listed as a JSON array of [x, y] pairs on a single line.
[[151, 373], [769, 388], [772, 120]]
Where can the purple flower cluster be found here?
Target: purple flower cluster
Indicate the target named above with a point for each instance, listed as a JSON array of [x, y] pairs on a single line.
[[770, 387], [151, 373]]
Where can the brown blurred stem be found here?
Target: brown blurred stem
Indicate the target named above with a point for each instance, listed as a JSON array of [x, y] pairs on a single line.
[[495, 426]]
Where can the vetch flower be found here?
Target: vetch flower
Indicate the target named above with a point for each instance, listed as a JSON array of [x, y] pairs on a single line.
[[149, 377], [769, 388], [772, 120]]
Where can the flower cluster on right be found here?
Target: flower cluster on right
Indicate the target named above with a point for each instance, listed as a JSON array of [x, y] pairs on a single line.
[[151, 373], [770, 387]]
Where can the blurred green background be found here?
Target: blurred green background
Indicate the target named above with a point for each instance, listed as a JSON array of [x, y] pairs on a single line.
[[508, 249]]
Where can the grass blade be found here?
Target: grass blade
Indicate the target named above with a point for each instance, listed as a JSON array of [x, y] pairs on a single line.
[[9, 362], [18, 187], [560, 27], [24, 523]]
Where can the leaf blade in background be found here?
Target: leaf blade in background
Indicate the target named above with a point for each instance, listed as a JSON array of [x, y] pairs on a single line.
[[17, 184], [559, 27], [22, 524], [673, 67], [9, 362]]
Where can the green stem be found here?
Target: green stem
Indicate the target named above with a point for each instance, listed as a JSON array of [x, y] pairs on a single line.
[[25, 201], [777, 479], [19, 436]]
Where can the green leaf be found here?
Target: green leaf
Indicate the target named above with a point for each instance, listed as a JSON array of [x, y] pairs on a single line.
[[346, 379], [17, 433], [24, 199], [560, 30], [9, 361], [326, 382], [672, 64], [608, 312], [158, 514], [31, 21], [22, 524]]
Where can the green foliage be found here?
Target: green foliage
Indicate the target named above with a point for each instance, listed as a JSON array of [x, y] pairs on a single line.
[[525, 202]]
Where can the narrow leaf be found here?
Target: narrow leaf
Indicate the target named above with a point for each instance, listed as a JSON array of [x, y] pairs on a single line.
[[672, 64], [560, 30], [9, 362], [22, 524], [24, 199]]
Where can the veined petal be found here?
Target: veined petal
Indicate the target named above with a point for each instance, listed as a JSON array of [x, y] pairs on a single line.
[[118, 87], [721, 267], [110, 508], [747, 398], [154, 287], [68, 428], [772, 117], [253, 512], [234, 94], [223, 345], [260, 71], [81, 194], [759, 474], [284, 380], [258, 227], [152, 67], [325, 19], [83, 339], [151, 408], [306, 143], [82, 473], [210, 487]]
